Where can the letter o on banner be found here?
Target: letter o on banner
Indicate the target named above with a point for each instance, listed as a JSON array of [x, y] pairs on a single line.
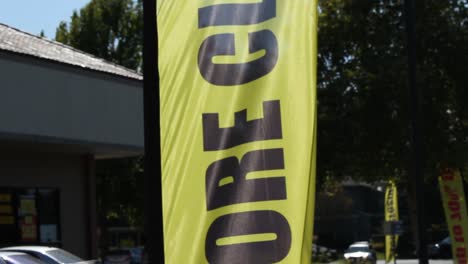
[[245, 224]]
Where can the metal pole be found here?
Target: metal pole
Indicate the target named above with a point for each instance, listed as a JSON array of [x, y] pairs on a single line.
[[416, 132], [152, 190]]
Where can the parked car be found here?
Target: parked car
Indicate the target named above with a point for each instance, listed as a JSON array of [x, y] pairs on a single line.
[[441, 249], [323, 254], [49, 255], [144, 257], [118, 256], [360, 252], [18, 258], [137, 254]]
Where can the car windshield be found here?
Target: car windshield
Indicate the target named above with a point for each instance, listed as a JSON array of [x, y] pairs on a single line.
[[445, 240], [24, 259], [63, 256], [358, 249]]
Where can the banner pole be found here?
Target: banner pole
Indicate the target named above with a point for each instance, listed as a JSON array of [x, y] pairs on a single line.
[[416, 132], [153, 216]]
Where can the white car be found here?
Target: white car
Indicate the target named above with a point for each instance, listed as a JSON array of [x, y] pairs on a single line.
[[49, 255], [18, 258], [360, 252]]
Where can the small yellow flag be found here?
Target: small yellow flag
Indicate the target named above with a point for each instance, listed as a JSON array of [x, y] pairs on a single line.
[[391, 215]]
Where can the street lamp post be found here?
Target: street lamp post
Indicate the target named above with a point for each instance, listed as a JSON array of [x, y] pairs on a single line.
[[153, 217]]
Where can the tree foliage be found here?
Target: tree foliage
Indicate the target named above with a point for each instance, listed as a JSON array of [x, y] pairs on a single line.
[[120, 200], [363, 95], [109, 29], [364, 99]]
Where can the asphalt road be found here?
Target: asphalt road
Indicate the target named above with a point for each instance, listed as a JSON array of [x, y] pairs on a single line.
[[415, 261]]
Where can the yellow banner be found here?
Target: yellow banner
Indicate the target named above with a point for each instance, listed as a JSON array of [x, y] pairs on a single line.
[[238, 111], [391, 215], [453, 198]]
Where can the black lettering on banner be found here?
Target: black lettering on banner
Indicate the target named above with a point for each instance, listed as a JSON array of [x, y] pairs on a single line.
[[226, 74], [391, 210], [254, 236], [248, 223], [243, 131], [461, 254], [458, 233], [454, 205], [236, 14], [240, 189], [448, 175]]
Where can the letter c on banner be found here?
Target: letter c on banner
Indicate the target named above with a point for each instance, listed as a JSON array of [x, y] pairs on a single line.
[[237, 73]]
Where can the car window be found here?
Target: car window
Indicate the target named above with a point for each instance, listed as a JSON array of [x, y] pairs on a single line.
[[358, 249], [446, 240], [63, 256], [24, 259], [45, 258]]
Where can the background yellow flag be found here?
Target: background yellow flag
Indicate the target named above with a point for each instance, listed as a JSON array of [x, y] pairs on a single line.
[[453, 198], [391, 215]]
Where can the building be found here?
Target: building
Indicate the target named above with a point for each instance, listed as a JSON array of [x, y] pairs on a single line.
[[60, 110]]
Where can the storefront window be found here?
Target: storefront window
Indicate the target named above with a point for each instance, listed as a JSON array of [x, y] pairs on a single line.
[[8, 226], [48, 208], [29, 216]]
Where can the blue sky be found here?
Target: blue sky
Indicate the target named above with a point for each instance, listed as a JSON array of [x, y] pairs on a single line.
[[35, 15]]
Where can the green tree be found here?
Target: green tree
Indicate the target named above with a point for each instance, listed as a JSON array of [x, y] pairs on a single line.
[[109, 29], [119, 199], [61, 34], [363, 93]]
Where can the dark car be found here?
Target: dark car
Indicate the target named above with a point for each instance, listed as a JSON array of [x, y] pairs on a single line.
[[118, 256], [323, 254], [441, 249]]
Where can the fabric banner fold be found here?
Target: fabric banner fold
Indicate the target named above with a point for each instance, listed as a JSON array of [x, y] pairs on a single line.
[[238, 126]]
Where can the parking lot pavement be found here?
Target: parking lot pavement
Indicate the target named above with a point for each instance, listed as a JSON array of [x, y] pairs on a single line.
[[415, 261]]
